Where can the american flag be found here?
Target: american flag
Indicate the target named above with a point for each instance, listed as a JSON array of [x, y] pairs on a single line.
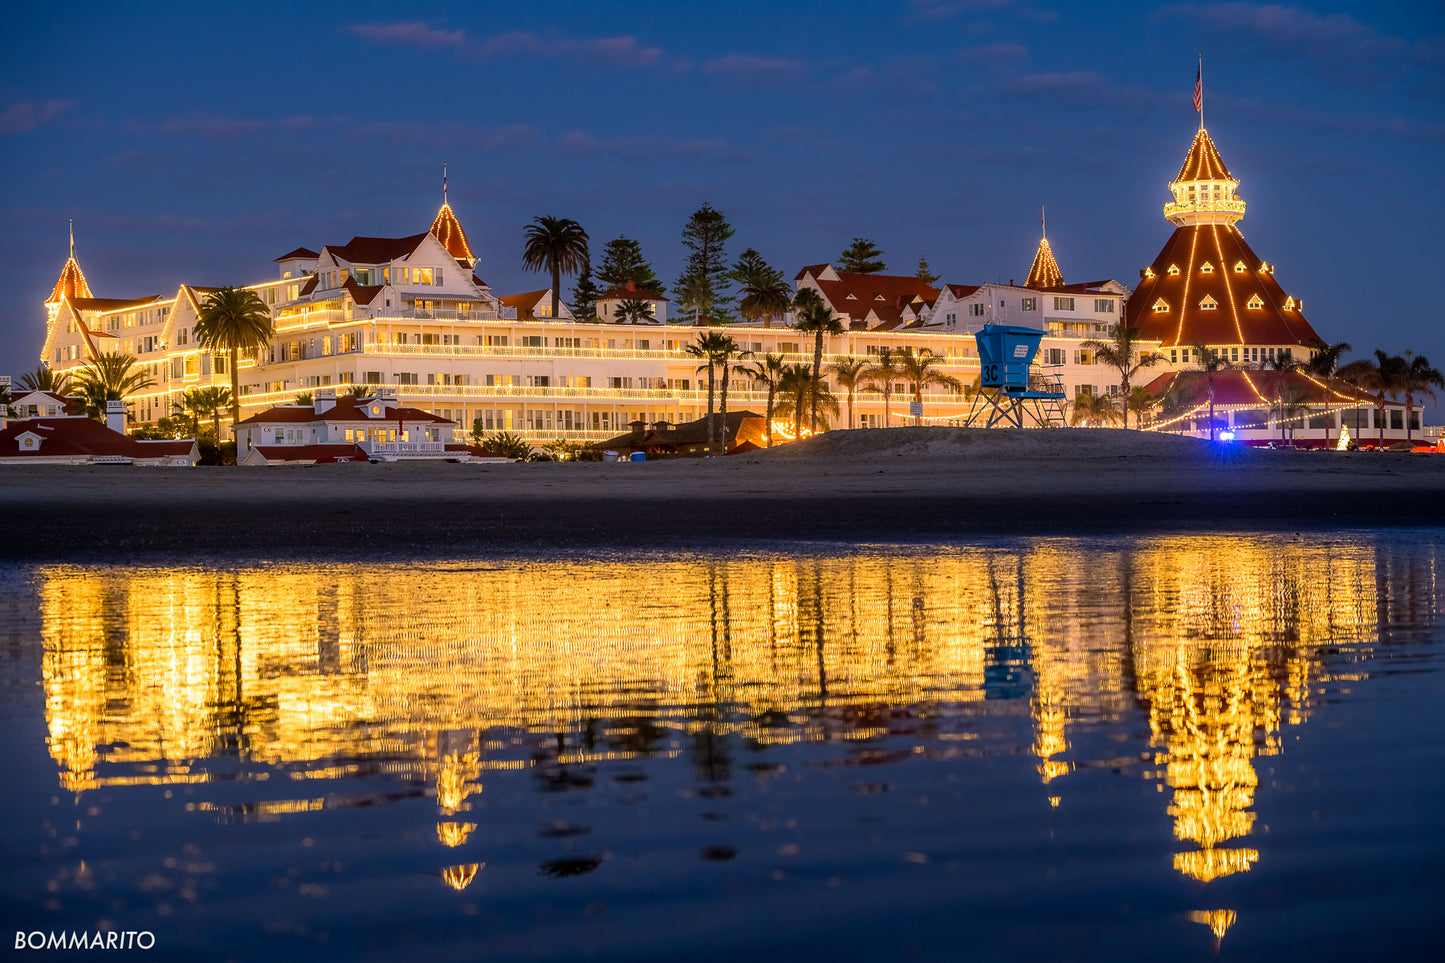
[[1199, 89]]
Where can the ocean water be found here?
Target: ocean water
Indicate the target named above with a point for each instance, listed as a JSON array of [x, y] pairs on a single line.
[[1166, 748]]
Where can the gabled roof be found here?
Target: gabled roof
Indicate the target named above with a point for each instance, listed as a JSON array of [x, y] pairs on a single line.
[[70, 284], [1203, 162], [69, 436], [630, 291], [447, 229], [1045, 271], [961, 291], [349, 409], [853, 296], [686, 434], [375, 250], [303, 253], [112, 304], [362, 293], [526, 304], [1083, 287], [1184, 322], [309, 286]]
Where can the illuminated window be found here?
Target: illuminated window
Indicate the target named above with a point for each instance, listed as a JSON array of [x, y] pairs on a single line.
[[1030, 304], [1173, 270], [1161, 306], [1239, 268], [1206, 268], [1103, 305], [1255, 302], [1148, 272], [1208, 303], [1289, 304], [421, 275]]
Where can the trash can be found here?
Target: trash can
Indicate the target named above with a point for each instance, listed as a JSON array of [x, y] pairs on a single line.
[[638, 456]]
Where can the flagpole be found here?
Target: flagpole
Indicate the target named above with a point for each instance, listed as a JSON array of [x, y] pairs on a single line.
[[1201, 91]]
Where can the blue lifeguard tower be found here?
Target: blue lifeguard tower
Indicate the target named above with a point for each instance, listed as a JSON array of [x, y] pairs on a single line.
[[1011, 388]]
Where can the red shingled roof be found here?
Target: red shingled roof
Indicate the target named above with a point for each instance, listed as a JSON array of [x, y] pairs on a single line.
[[1203, 162], [349, 408], [112, 304], [629, 290], [854, 295], [1231, 321], [1253, 387], [315, 454], [70, 284], [447, 229], [300, 252], [376, 250], [82, 436], [362, 293]]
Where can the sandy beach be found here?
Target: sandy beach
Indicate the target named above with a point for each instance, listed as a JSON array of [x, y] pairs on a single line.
[[902, 484]]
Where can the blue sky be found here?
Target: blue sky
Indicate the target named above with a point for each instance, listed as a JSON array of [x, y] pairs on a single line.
[[193, 144]]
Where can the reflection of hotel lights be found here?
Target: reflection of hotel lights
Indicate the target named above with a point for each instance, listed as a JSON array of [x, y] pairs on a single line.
[[362, 681]]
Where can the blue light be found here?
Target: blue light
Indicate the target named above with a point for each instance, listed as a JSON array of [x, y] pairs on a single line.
[[1226, 436]]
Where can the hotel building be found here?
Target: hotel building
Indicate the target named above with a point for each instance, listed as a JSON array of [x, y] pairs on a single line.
[[412, 314]]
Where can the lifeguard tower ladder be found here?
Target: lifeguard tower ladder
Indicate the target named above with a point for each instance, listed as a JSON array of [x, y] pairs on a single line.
[[1010, 389]]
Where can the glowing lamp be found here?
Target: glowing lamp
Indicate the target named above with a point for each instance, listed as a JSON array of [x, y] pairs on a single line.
[[1226, 435]]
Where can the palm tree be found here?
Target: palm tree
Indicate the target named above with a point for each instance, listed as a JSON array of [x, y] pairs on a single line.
[[769, 373], [633, 311], [1278, 366], [1141, 402], [110, 378], [206, 403], [766, 301], [44, 379], [1366, 376], [799, 389], [884, 374], [1324, 365], [1094, 410], [818, 319], [706, 348], [850, 373], [558, 245], [233, 320], [1418, 379], [1209, 361], [1122, 352], [728, 354], [1294, 402], [305, 399], [921, 368]]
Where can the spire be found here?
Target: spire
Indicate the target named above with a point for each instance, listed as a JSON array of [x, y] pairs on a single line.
[[448, 230], [1045, 272], [1204, 189], [71, 283]]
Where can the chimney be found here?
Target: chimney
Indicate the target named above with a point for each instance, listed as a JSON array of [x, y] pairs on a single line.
[[115, 416], [325, 400], [631, 285]]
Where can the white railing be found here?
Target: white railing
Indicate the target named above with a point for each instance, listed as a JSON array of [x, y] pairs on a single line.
[[413, 448]]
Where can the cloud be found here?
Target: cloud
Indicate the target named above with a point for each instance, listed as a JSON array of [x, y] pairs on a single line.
[[995, 51], [623, 49], [28, 115], [1077, 87], [1295, 30], [753, 67], [409, 33], [647, 147], [222, 127], [929, 11]]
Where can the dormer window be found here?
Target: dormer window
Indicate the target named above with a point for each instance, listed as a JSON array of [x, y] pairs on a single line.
[[1206, 268], [1239, 268], [1161, 306], [1148, 272], [1173, 270], [1289, 304], [1208, 304], [1255, 303]]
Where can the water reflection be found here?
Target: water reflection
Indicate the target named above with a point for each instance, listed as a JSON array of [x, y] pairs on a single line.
[[439, 678]]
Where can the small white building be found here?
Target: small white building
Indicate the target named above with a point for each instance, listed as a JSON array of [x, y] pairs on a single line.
[[609, 303], [376, 425]]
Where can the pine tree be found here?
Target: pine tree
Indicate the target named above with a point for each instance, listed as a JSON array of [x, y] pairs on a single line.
[[861, 257], [924, 274], [703, 284], [752, 271], [584, 295], [622, 261]]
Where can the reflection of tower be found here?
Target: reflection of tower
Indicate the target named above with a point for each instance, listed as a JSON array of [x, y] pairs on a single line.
[[458, 768]]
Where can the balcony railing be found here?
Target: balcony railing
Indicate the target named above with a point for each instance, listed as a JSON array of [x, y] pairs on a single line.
[[405, 448]]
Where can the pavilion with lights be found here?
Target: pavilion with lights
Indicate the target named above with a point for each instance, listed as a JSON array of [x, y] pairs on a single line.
[[1208, 289]]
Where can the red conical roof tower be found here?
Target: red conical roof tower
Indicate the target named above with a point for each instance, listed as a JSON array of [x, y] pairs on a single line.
[[448, 229], [71, 283], [1207, 286], [1045, 271]]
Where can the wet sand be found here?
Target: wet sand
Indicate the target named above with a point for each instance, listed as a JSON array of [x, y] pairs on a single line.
[[901, 485]]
